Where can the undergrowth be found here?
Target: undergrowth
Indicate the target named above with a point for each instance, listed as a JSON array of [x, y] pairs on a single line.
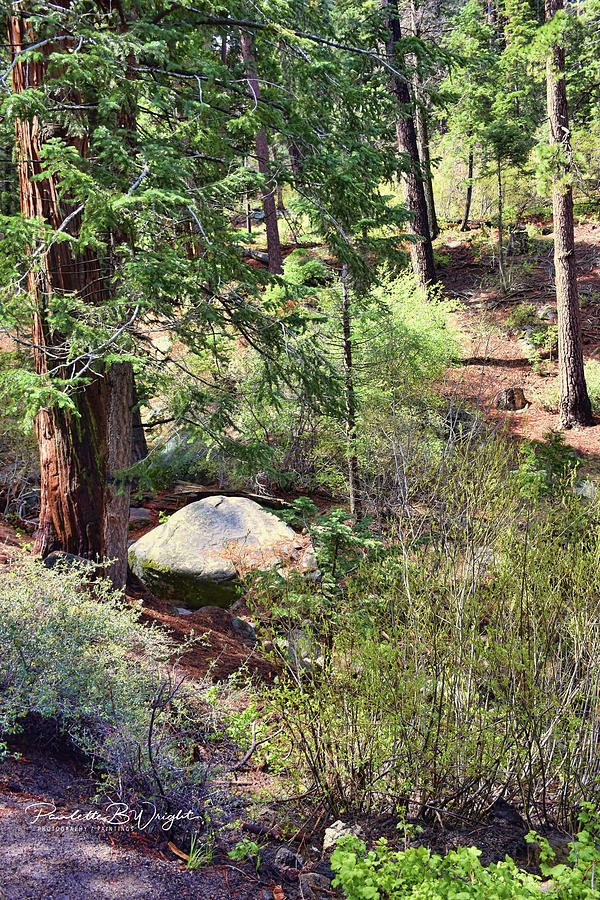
[[455, 660], [418, 874], [74, 652]]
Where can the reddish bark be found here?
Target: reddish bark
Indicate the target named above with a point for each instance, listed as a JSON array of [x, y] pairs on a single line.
[[76, 455], [262, 156]]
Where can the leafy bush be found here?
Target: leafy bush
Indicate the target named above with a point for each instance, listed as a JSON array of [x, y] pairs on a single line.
[[301, 268], [521, 316], [74, 652], [462, 662], [19, 460], [383, 874], [547, 466]]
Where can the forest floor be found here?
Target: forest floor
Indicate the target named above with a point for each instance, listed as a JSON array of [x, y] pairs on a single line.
[[53, 861], [494, 358]]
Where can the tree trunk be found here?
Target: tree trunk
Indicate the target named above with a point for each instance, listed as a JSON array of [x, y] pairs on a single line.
[[353, 478], [423, 131], [116, 514], [262, 156], [425, 160], [421, 250], [500, 226], [574, 405], [77, 453], [469, 195]]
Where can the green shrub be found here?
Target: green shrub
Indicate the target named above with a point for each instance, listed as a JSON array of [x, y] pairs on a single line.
[[19, 459], [547, 466], [385, 874], [462, 661], [76, 653], [521, 317]]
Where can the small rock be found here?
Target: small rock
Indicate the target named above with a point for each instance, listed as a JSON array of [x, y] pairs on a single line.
[[459, 422], [183, 612], [511, 398], [139, 517], [313, 882], [501, 811], [314, 575], [339, 830], [309, 560], [547, 314], [66, 560], [288, 859], [243, 628]]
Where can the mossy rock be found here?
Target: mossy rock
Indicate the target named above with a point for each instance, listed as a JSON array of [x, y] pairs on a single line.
[[195, 558]]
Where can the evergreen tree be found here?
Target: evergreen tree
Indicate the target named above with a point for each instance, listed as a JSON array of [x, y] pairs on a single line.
[[574, 403]]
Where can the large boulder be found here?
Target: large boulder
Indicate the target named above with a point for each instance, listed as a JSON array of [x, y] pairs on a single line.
[[196, 557]]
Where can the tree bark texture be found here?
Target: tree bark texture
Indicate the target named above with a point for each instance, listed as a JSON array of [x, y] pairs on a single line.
[[501, 267], [120, 385], [353, 477], [421, 250], [574, 404], [262, 156], [469, 194], [423, 131], [425, 160], [77, 451]]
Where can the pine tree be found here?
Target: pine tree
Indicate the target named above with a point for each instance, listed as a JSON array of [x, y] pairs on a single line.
[[421, 249], [574, 403]]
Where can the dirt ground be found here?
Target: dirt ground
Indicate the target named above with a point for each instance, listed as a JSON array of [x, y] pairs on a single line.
[[493, 358]]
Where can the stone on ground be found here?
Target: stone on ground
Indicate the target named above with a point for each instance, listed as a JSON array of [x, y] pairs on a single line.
[[197, 556]]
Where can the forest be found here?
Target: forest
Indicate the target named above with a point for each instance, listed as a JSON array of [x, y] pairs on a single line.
[[300, 449]]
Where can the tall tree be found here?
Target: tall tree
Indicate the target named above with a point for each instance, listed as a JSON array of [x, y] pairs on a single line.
[[82, 445], [263, 159], [421, 249], [574, 403], [422, 127], [350, 400]]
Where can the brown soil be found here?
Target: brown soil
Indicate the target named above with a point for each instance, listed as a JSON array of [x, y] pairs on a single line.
[[493, 358], [220, 650]]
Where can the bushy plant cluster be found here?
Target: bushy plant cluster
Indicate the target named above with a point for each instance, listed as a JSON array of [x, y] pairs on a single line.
[[74, 652], [18, 450], [418, 874], [460, 662]]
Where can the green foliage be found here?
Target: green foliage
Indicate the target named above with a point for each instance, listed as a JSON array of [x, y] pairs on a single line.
[[246, 849], [74, 652], [521, 316], [385, 874], [548, 467], [456, 662], [402, 341], [201, 853]]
